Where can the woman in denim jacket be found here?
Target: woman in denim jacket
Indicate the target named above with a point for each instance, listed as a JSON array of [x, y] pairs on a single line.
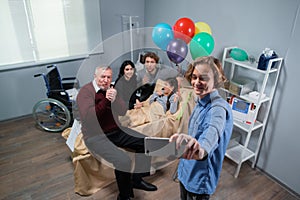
[[209, 132]]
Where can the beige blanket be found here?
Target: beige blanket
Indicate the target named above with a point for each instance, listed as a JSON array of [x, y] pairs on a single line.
[[90, 175], [152, 121]]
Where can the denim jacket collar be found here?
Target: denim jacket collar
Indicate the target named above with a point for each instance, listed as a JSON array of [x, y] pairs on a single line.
[[207, 99]]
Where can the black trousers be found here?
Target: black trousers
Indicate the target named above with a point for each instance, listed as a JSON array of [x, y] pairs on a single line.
[[186, 195], [107, 145]]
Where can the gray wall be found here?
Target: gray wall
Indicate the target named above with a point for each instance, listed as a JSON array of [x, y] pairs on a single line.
[[112, 11], [251, 25], [20, 91], [254, 25]]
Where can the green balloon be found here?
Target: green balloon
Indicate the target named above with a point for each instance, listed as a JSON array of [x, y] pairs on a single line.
[[202, 44], [238, 54]]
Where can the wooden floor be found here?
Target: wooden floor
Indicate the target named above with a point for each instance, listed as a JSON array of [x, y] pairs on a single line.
[[36, 165]]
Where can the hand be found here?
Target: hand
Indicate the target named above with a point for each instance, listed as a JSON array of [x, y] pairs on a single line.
[[111, 94], [145, 79], [160, 92], [176, 97], [138, 104], [192, 150]]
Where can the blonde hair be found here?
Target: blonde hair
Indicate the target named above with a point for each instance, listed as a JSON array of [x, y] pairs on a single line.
[[214, 64]]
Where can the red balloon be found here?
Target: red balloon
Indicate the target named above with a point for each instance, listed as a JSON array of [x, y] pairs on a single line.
[[184, 29]]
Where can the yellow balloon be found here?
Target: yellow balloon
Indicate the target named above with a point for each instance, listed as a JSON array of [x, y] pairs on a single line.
[[202, 27]]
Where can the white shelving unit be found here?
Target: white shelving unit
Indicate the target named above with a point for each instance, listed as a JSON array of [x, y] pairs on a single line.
[[266, 83]]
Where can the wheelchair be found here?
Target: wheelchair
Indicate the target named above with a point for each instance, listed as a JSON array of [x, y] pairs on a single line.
[[56, 112]]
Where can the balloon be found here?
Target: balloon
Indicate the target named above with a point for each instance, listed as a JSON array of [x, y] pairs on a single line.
[[184, 29], [202, 44], [238, 54], [202, 27], [162, 34], [177, 50]]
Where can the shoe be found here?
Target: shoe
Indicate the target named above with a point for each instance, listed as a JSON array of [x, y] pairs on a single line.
[[121, 198], [143, 185]]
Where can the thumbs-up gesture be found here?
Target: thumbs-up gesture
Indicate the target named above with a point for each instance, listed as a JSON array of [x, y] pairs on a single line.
[[111, 94]]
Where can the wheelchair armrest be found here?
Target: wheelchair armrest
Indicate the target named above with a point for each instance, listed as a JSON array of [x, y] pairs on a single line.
[[70, 82], [69, 78], [57, 91]]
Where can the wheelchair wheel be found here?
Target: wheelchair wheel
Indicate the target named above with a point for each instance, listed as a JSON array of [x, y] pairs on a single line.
[[51, 115]]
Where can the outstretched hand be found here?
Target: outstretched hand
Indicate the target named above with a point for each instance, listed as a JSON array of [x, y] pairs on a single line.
[[192, 150]]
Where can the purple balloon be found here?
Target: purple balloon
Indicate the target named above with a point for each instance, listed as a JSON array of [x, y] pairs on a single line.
[[177, 50]]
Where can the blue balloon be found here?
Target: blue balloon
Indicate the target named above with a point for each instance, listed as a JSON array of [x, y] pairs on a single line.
[[162, 34], [177, 50]]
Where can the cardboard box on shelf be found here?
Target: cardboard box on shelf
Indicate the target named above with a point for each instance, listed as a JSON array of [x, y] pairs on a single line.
[[241, 86]]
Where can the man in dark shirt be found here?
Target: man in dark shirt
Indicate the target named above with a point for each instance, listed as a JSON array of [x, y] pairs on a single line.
[[99, 107]]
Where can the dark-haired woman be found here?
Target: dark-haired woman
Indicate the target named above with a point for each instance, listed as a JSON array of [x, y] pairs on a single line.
[[126, 82]]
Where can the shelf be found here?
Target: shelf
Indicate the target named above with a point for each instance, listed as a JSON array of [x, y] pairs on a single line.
[[267, 80], [248, 65], [238, 153], [246, 97], [250, 99], [246, 127]]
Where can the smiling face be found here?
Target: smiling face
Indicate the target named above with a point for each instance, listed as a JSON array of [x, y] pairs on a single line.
[[202, 80], [150, 65], [128, 72], [167, 89]]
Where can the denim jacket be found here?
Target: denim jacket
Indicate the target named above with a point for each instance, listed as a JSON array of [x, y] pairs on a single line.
[[211, 124]]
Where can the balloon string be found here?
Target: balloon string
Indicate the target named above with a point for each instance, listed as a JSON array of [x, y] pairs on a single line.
[[179, 69]]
